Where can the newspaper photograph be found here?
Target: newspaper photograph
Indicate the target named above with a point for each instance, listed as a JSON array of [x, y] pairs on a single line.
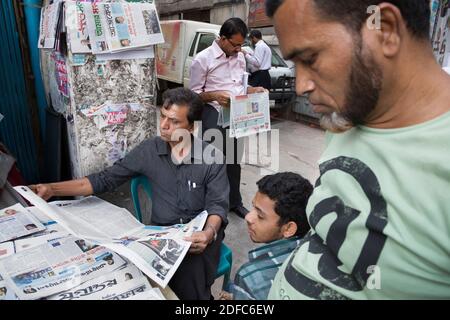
[[102, 286], [16, 222], [249, 115], [7, 249], [56, 266]]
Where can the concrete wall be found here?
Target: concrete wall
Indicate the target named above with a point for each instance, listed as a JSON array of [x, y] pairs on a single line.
[[220, 13], [220, 10]]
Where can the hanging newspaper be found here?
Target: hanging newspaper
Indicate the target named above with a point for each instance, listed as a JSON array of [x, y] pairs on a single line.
[[117, 26], [76, 24], [157, 251], [16, 222], [249, 115], [48, 26], [58, 265]]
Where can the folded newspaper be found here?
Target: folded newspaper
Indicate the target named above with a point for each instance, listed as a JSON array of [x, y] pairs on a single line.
[[156, 251], [249, 115]]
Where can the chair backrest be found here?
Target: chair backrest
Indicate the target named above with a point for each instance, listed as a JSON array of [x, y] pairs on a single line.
[[135, 183]]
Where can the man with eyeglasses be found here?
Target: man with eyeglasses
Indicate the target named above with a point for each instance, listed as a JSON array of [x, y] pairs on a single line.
[[217, 73]]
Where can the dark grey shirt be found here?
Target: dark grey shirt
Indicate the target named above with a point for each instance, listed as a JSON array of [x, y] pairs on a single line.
[[180, 191]]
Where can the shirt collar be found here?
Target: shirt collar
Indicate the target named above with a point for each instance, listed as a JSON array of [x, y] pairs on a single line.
[[217, 51]]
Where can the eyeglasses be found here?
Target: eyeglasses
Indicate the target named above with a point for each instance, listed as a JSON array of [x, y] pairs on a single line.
[[234, 45]]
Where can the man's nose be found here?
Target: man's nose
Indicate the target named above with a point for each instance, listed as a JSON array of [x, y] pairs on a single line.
[[164, 123], [303, 82], [249, 217]]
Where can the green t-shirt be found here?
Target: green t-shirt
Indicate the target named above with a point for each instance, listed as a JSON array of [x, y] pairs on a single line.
[[380, 218]]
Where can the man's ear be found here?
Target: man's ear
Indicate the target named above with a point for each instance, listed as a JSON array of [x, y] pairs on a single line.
[[191, 127], [289, 229]]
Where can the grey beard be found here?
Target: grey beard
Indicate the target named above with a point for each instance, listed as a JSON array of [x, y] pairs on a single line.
[[335, 123]]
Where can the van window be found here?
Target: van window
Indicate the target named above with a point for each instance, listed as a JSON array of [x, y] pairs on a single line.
[[192, 51], [277, 61], [206, 41]]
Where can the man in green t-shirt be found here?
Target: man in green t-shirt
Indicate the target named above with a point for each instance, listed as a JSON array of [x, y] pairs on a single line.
[[380, 211]]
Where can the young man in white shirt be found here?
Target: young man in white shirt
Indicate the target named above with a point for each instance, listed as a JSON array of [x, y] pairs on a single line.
[[259, 62]]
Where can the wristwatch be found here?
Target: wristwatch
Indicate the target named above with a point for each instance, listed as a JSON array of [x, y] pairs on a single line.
[[214, 230]]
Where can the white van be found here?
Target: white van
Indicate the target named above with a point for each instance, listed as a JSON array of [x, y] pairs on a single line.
[[185, 38]]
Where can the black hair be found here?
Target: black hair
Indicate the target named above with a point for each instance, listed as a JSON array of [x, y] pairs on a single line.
[[291, 193], [184, 97], [255, 34], [353, 13], [233, 26]]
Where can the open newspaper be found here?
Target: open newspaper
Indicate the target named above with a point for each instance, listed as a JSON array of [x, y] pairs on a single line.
[[157, 251], [249, 115]]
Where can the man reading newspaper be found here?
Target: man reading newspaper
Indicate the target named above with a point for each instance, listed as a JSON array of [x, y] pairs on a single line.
[[184, 185]]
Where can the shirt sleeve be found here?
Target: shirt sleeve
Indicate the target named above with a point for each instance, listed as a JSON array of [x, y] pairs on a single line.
[[198, 76], [122, 171], [217, 192], [256, 59]]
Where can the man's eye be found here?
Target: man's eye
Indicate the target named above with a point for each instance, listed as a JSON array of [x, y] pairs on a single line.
[[309, 61]]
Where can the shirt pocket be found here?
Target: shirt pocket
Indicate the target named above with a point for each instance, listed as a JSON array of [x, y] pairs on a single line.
[[196, 196]]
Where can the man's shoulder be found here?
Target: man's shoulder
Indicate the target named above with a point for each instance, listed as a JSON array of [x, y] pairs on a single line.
[[205, 54], [151, 144]]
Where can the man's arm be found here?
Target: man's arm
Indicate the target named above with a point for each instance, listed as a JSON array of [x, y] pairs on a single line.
[[255, 59], [107, 180], [78, 187], [200, 240]]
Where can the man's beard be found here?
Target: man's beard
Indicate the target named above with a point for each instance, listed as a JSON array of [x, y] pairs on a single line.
[[362, 95]]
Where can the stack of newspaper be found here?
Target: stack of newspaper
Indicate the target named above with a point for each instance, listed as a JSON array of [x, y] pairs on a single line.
[[85, 249], [113, 30]]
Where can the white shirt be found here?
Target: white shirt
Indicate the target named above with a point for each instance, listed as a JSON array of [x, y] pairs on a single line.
[[261, 59]]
